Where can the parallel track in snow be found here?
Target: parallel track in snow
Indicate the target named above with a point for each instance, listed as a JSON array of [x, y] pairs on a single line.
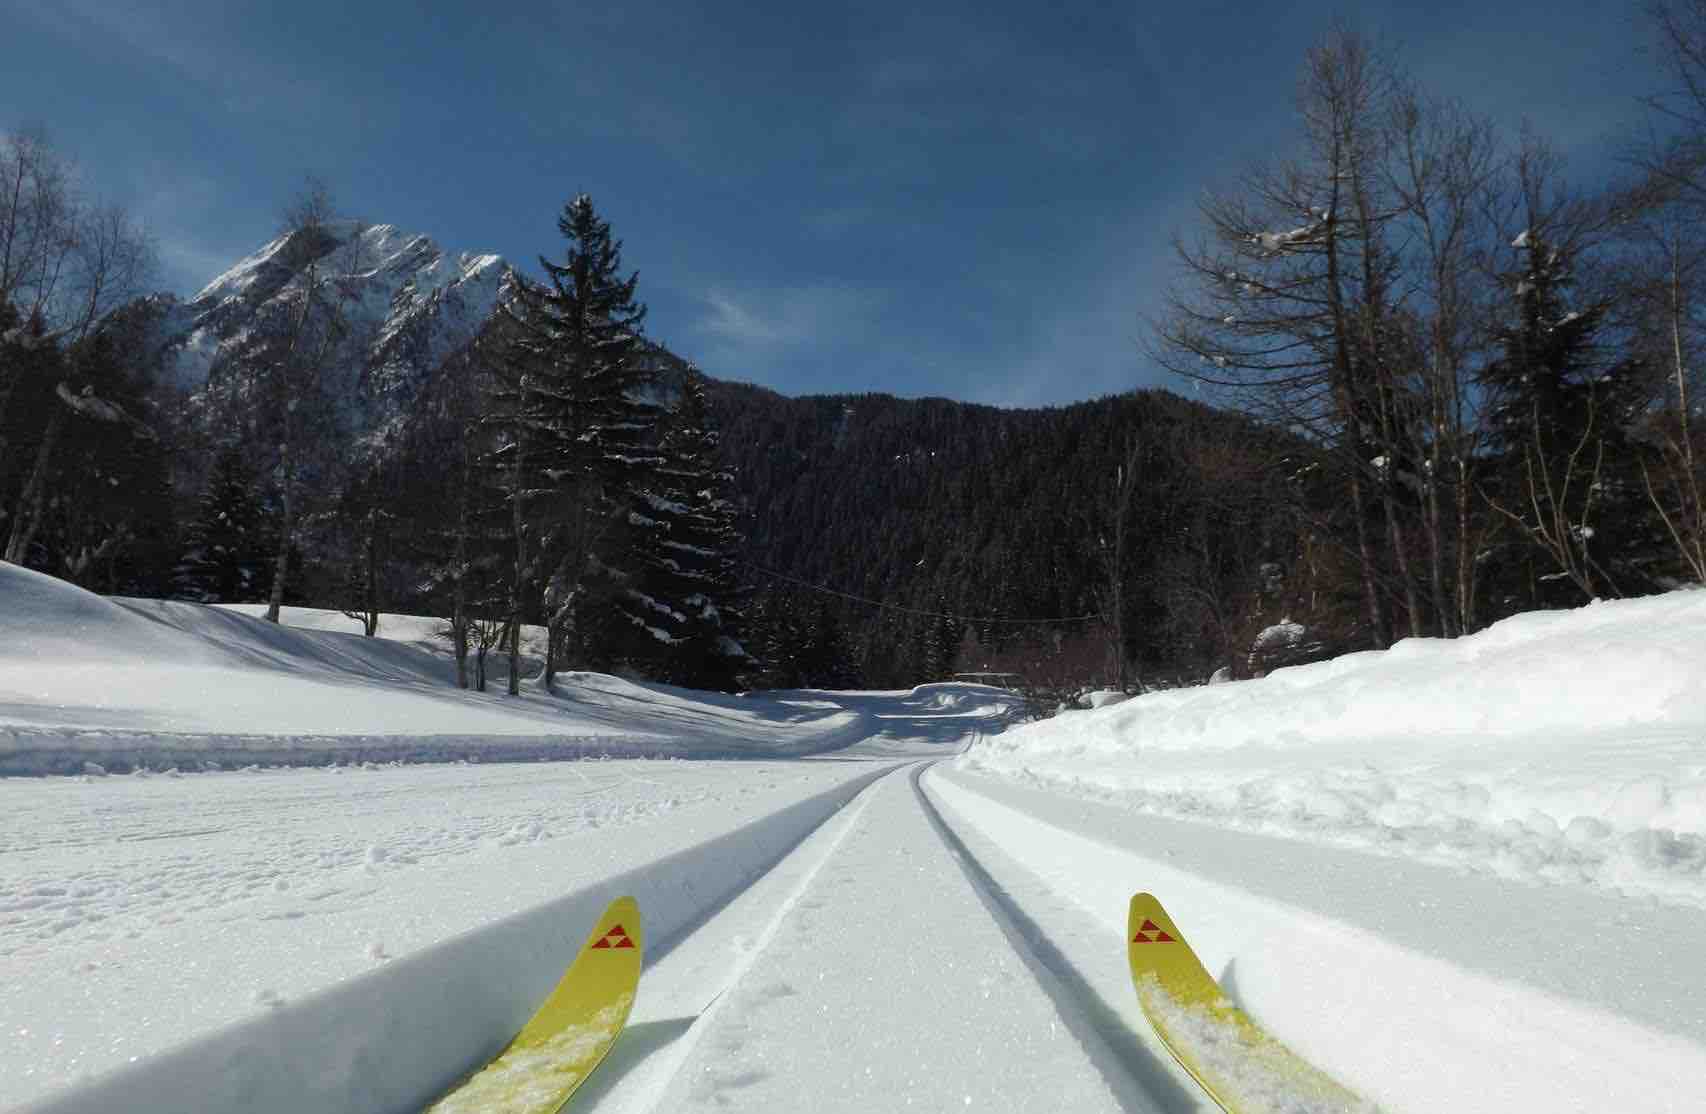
[[949, 941], [1030, 888], [930, 984]]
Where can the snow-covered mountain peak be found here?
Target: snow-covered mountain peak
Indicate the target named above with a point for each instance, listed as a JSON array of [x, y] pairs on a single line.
[[407, 301]]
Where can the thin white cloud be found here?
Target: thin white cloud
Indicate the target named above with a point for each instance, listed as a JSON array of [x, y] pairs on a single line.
[[769, 317], [741, 324], [770, 332]]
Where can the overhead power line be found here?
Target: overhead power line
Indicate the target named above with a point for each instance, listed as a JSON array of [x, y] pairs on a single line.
[[979, 619]]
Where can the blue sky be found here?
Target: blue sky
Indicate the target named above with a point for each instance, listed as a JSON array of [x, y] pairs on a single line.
[[973, 201]]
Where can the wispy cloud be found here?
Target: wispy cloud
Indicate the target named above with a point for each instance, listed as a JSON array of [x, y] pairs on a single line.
[[755, 331], [779, 316]]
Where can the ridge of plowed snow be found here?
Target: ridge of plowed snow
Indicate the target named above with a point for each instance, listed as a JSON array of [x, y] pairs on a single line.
[[1563, 746]]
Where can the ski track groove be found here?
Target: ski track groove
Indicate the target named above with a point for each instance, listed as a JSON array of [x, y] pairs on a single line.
[[1138, 1078], [687, 1037], [1141, 1080]]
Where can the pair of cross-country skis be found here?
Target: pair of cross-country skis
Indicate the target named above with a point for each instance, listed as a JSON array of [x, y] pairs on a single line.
[[1237, 1064]]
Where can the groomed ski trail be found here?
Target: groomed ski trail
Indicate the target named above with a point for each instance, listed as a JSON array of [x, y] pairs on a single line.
[[954, 942], [878, 981]]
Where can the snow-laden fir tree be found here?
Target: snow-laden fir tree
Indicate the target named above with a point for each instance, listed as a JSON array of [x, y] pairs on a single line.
[[576, 432], [688, 586], [228, 544]]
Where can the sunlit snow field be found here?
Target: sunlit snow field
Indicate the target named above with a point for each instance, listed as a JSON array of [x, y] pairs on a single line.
[[281, 868]]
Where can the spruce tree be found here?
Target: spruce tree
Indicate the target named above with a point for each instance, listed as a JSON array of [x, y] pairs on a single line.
[[689, 583], [227, 545], [938, 640], [576, 435]]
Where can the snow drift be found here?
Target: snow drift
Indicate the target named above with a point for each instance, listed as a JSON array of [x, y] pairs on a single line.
[[1561, 746], [126, 684]]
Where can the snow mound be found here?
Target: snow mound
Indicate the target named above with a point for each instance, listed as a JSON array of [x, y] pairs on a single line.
[[1564, 746], [43, 617], [128, 685]]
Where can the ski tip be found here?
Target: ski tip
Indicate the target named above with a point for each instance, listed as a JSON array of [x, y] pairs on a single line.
[[619, 928]]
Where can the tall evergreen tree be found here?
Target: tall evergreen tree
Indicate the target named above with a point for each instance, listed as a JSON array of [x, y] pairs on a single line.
[[826, 658], [227, 545], [941, 642], [577, 436], [689, 582]]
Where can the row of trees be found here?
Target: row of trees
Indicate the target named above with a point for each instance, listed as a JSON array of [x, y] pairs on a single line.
[[544, 474], [72, 409], [536, 481], [1495, 372]]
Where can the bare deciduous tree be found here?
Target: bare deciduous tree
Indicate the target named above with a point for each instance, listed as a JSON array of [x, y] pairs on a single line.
[[1291, 320]]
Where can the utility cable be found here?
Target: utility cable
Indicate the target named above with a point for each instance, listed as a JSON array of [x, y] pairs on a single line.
[[974, 619]]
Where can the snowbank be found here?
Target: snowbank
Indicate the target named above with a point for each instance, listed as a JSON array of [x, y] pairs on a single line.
[[1564, 746], [129, 684]]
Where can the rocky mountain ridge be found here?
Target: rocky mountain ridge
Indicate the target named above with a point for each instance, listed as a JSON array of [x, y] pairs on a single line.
[[407, 303]]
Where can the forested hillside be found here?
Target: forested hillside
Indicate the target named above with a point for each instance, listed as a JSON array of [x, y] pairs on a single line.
[[1049, 535]]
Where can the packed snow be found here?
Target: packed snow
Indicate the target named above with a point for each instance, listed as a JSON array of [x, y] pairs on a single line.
[[1456, 874]]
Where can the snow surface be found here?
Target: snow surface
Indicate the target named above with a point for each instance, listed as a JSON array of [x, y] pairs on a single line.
[[850, 918], [129, 683], [1565, 746]]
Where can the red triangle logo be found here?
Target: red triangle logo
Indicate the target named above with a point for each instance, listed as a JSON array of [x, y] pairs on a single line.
[[615, 938], [1163, 938], [1150, 926], [1140, 938]]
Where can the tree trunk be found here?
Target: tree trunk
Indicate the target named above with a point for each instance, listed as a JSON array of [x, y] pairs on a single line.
[[1436, 554], [553, 630], [512, 634], [29, 515], [459, 591], [1401, 555], [518, 587], [1365, 556], [1468, 568], [281, 562], [370, 620]]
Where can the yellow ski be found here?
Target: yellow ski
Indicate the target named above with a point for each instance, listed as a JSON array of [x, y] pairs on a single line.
[[568, 1037], [1241, 1067]]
